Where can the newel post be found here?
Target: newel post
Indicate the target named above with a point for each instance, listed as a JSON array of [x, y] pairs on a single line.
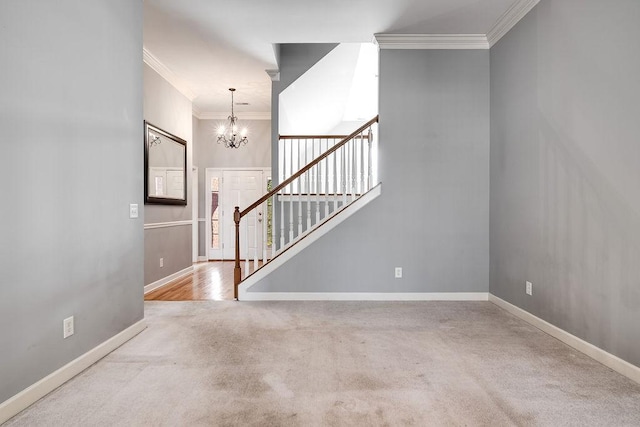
[[237, 272]]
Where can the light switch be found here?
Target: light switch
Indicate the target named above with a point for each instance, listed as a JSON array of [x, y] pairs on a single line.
[[133, 210]]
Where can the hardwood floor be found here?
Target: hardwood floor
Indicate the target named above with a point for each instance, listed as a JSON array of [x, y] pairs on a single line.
[[209, 281]]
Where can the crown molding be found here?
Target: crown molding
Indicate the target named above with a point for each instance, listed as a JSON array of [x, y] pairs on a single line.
[[167, 74], [274, 75], [509, 19], [431, 41], [503, 24], [214, 115]]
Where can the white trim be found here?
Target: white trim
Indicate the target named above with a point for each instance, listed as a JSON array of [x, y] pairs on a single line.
[[167, 74], [614, 362], [365, 296], [202, 258], [31, 394], [160, 283], [327, 225], [217, 115], [167, 224], [195, 232], [503, 24], [432, 41], [274, 75], [509, 19], [202, 219]]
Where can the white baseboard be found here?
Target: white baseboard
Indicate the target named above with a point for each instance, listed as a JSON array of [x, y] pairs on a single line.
[[31, 394], [614, 362], [160, 283], [202, 259], [364, 296]]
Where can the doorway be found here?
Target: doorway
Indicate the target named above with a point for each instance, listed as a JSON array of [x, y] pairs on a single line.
[[224, 190]]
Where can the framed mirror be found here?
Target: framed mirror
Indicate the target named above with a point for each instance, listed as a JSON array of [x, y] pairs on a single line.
[[165, 167]]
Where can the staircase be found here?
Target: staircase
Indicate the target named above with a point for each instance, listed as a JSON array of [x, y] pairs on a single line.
[[323, 180]]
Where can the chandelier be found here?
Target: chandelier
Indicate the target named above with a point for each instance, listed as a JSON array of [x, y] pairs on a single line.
[[229, 134]]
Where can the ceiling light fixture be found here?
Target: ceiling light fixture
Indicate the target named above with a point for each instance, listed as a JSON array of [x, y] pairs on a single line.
[[229, 135]]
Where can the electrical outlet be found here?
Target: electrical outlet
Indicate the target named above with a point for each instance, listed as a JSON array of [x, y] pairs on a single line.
[[398, 272], [161, 262], [529, 288], [133, 210], [67, 327]]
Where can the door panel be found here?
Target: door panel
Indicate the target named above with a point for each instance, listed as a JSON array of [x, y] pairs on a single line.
[[241, 188]]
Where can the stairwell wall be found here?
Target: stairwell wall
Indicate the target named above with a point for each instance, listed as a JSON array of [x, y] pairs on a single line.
[[432, 218]]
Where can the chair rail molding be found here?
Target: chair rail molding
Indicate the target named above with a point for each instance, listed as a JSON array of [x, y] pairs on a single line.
[[153, 225]]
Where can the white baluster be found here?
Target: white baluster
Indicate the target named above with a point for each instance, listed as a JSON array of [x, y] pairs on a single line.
[[246, 252], [354, 172], [361, 158], [291, 164], [308, 175], [318, 186], [350, 170], [343, 165], [369, 176], [265, 230], [290, 212], [281, 195], [326, 187], [255, 240], [336, 177], [308, 220], [299, 182]]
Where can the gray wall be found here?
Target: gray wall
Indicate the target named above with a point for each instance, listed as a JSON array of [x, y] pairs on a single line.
[[433, 215], [168, 109], [565, 169], [207, 153], [71, 120]]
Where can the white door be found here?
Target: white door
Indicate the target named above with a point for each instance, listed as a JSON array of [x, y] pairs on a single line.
[[241, 188], [224, 190]]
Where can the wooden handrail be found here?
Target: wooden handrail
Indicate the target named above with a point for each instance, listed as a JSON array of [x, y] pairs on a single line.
[[309, 166], [237, 215]]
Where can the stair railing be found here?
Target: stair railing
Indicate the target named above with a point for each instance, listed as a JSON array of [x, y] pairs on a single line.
[[317, 191]]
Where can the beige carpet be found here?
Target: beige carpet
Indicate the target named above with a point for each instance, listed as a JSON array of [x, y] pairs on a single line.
[[339, 363]]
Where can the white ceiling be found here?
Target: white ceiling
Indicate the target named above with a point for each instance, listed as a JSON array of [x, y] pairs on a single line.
[[207, 46]]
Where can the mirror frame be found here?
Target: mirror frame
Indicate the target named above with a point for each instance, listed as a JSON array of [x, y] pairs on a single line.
[[162, 200]]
